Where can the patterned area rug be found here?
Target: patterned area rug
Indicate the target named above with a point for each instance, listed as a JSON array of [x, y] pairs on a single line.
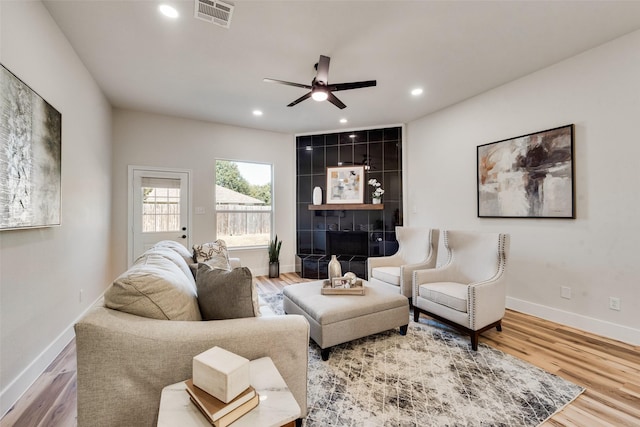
[[430, 377]]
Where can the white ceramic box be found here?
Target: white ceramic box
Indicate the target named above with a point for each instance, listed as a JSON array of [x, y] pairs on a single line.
[[221, 373]]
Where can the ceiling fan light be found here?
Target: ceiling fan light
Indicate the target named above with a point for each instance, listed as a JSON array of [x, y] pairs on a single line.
[[319, 95]]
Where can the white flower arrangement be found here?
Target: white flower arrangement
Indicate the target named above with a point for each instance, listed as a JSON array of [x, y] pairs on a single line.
[[378, 192]]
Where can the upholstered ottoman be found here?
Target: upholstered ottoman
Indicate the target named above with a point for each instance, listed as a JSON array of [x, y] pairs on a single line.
[[336, 319]]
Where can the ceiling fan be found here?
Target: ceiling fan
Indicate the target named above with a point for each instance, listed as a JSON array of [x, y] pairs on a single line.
[[320, 88]]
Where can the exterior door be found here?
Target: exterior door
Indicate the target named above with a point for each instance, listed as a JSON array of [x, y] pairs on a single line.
[[159, 208]]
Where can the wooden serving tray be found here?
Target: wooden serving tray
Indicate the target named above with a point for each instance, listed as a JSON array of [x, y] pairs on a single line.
[[328, 289]]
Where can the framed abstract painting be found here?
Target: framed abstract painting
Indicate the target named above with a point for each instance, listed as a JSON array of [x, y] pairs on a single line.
[[30, 157], [530, 176], [345, 184]]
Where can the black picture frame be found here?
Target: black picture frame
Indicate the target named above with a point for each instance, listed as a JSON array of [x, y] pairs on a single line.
[[529, 176]]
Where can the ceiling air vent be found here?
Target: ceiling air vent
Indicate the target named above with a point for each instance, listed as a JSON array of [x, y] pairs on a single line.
[[214, 11]]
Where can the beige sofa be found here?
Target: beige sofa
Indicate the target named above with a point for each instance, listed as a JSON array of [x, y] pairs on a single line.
[[124, 360]]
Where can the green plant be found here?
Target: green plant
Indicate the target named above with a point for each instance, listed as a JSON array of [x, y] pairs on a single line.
[[274, 250]]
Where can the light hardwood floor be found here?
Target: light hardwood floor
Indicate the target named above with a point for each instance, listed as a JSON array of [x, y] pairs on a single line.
[[608, 369]]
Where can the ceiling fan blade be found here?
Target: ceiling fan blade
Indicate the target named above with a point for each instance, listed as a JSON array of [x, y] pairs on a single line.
[[323, 69], [335, 101], [353, 85], [282, 82], [299, 100]]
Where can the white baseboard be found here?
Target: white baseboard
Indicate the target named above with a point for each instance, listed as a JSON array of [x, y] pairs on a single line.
[[578, 321], [14, 391]]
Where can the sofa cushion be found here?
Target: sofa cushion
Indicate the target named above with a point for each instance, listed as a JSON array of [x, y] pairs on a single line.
[[226, 294], [174, 257], [154, 287], [214, 254], [178, 248]]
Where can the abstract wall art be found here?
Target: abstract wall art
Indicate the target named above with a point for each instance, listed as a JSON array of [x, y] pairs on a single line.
[[530, 176], [345, 184], [30, 157]]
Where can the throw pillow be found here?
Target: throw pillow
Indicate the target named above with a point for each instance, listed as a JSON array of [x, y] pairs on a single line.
[[226, 294], [213, 254]]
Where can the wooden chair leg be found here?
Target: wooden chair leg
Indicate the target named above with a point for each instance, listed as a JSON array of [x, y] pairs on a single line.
[[403, 329], [416, 314], [499, 326], [474, 340]]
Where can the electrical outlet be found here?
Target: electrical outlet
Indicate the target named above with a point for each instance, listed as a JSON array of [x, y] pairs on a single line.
[[614, 303], [565, 292]]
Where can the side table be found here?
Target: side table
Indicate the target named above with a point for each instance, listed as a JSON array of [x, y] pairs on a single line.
[[277, 405]]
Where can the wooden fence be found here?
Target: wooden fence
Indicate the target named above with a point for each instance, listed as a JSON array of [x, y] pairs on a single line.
[[243, 222]]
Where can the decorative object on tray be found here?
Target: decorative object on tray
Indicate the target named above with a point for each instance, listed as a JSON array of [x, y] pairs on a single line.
[[530, 176], [317, 196], [335, 269], [345, 184], [349, 284], [376, 195]]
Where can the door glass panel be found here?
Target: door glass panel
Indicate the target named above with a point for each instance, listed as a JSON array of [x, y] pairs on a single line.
[[160, 204]]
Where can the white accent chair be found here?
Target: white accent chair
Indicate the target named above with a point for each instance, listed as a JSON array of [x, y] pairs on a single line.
[[469, 291], [418, 248]]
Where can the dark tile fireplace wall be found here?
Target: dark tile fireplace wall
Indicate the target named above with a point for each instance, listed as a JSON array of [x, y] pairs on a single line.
[[378, 149]]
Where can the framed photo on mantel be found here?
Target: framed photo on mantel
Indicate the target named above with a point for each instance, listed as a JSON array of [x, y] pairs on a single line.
[[345, 184], [530, 176]]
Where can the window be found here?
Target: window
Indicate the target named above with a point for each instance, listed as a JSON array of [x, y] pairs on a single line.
[[243, 203]]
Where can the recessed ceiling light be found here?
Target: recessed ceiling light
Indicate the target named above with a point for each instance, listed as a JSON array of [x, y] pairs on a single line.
[[353, 135], [257, 112], [417, 91], [167, 10], [343, 120]]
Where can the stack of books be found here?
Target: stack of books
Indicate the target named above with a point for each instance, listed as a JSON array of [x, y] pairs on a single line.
[[218, 413]]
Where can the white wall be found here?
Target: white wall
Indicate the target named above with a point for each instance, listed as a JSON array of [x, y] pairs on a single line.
[[145, 139], [42, 271], [596, 254]]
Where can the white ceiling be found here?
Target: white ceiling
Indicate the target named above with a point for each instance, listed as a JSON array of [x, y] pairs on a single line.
[[453, 49]]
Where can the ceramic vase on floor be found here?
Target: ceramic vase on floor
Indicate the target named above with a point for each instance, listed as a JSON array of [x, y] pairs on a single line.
[[335, 269]]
